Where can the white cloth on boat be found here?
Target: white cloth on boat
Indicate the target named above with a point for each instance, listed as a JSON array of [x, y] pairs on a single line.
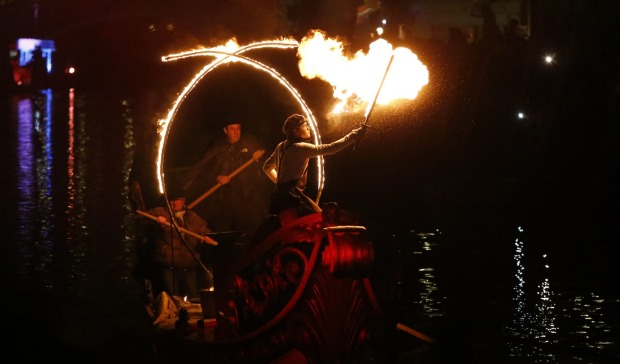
[[165, 308]]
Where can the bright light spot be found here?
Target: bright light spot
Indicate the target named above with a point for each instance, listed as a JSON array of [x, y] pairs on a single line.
[[70, 70], [380, 31], [549, 59], [384, 21], [520, 115], [355, 79]]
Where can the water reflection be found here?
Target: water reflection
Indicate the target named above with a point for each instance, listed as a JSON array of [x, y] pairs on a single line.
[[537, 324], [75, 237], [34, 183], [545, 326], [556, 323], [588, 314], [25, 181], [430, 299], [58, 234], [75, 209]]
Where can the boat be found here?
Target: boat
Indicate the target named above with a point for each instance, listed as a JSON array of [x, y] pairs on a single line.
[[294, 294]]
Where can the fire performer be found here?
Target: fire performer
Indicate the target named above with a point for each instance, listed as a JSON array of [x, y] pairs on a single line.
[[287, 166], [240, 204]]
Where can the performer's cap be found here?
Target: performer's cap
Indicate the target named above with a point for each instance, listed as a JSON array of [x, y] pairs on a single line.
[[292, 122]]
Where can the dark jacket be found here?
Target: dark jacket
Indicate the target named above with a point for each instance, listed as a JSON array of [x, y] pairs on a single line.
[[166, 238]]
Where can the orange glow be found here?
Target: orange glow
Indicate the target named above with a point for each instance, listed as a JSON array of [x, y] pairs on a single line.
[[356, 79], [232, 52]]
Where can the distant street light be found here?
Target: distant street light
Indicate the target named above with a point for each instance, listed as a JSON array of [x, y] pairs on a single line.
[[549, 59]]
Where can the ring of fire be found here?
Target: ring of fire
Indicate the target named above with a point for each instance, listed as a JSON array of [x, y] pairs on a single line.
[[233, 53]]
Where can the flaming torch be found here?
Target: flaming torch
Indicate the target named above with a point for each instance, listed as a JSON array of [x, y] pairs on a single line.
[[354, 77], [374, 101], [319, 57]]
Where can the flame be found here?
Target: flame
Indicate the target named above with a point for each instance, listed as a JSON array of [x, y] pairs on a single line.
[[356, 79], [232, 52]]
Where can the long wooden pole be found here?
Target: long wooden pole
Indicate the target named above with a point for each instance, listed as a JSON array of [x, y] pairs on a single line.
[[372, 106], [312, 204], [218, 185], [203, 238], [413, 332]]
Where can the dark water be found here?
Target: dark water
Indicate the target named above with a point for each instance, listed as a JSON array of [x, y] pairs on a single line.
[[488, 282], [67, 241]]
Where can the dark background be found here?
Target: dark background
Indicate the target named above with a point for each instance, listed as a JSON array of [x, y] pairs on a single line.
[[456, 159], [457, 156]]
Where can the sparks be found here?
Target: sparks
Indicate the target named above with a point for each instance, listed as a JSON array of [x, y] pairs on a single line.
[[232, 52], [355, 79], [319, 57]]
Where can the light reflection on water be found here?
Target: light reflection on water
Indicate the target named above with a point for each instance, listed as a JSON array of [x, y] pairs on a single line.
[[60, 202], [555, 319], [538, 324], [545, 326], [73, 237], [429, 295], [25, 179], [75, 208], [34, 183]]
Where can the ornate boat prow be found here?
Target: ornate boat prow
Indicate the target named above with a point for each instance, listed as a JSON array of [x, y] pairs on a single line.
[[304, 289]]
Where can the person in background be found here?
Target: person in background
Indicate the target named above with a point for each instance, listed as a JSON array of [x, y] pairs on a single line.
[[241, 202], [177, 263], [287, 166]]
